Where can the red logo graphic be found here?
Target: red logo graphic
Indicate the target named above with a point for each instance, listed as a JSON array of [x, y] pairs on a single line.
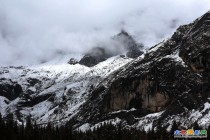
[[184, 132]]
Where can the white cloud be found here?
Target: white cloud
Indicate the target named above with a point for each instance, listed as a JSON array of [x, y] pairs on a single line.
[[33, 30]]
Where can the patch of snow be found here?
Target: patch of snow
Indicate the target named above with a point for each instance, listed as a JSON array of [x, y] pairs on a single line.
[[115, 112], [155, 48], [32, 89], [194, 115], [114, 122], [148, 127], [177, 58], [146, 122], [85, 127], [38, 110], [206, 106], [3, 105], [205, 120]]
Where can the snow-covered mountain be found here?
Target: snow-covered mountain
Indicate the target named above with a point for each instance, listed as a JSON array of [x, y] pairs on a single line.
[[52, 91], [169, 82]]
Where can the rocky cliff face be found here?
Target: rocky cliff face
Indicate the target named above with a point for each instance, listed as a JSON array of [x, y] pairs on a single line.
[[171, 81], [172, 78]]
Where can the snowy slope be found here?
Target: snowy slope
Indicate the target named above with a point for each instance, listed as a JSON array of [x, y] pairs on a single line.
[[56, 89]]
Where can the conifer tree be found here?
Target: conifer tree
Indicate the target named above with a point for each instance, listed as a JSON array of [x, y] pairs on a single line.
[[28, 129], [174, 127], [196, 126], [208, 132]]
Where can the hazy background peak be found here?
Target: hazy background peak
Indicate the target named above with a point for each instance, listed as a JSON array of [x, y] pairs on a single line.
[[33, 31]]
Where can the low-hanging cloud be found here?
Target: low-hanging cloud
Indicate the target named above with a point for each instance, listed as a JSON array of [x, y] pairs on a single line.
[[32, 31]]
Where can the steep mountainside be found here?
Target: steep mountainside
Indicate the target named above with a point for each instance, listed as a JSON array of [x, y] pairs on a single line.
[[171, 81]]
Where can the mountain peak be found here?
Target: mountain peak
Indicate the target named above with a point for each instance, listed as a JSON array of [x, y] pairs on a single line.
[[124, 42], [123, 33]]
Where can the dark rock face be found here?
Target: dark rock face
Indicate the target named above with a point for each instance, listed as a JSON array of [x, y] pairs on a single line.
[[173, 77], [33, 81], [94, 56], [29, 101], [10, 91], [73, 61], [99, 54], [88, 60]]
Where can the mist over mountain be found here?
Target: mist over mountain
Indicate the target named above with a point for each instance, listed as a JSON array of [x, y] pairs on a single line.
[[36, 31], [80, 68]]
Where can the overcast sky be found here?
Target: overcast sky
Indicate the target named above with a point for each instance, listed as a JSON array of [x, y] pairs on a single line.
[[32, 31]]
